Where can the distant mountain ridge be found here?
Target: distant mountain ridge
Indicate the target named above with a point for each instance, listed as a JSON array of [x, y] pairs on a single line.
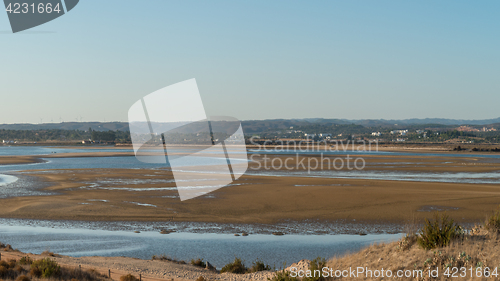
[[413, 121], [253, 126]]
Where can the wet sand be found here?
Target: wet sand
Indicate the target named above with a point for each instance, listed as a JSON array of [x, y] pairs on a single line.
[[12, 160], [260, 199], [140, 195], [383, 163]]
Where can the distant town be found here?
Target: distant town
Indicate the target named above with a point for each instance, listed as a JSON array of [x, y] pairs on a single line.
[[312, 130], [412, 134]]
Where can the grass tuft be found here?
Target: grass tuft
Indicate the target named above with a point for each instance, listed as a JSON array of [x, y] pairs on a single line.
[[46, 268], [167, 258], [128, 277], [493, 222], [283, 276], [316, 268], [439, 232], [198, 262], [26, 260], [23, 278], [236, 266], [259, 266]]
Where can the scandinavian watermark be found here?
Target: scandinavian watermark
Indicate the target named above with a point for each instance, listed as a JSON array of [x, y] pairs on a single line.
[[170, 127], [296, 155]]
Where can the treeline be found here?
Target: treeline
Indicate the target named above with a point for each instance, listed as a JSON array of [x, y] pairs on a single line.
[[335, 129], [452, 134], [63, 135]]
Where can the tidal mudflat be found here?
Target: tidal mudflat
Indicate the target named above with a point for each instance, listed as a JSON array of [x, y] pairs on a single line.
[[112, 193]]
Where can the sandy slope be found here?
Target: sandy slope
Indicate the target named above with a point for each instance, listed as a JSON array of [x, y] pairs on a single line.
[[149, 269]]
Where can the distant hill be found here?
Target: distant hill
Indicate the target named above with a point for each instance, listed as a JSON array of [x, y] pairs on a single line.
[[443, 121], [392, 122], [256, 126]]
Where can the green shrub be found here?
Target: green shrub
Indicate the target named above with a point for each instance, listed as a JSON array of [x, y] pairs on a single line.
[[236, 266], [259, 266], [316, 268], [26, 260], [128, 277], [198, 262], [493, 222], [283, 276], [438, 233], [45, 268]]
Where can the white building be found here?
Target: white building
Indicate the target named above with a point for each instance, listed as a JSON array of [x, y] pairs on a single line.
[[376, 134], [400, 132]]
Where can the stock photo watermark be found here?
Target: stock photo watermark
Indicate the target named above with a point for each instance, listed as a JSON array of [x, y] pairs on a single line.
[[204, 153], [365, 272], [26, 14], [277, 155]]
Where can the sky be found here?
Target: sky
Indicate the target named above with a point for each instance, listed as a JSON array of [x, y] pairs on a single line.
[[257, 59]]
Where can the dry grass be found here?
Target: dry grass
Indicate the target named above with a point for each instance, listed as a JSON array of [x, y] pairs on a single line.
[[50, 254], [479, 248], [167, 258], [198, 262], [44, 269], [128, 277]]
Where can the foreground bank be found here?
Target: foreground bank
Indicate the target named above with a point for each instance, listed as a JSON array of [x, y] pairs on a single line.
[[441, 250]]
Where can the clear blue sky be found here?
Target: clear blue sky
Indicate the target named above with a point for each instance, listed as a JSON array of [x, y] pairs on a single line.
[[258, 59]]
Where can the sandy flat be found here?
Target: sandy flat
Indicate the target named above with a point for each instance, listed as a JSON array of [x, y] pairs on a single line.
[[12, 160], [260, 199], [150, 195]]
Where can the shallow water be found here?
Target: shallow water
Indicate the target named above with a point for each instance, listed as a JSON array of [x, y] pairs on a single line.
[[217, 248], [43, 150], [7, 179], [22, 185], [462, 177], [372, 152], [130, 162]]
